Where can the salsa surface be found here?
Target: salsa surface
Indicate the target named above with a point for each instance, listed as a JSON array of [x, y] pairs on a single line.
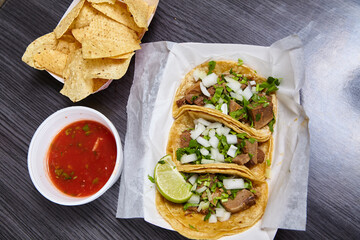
[[81, 158]]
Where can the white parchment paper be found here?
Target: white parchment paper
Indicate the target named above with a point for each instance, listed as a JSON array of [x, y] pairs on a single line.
[[159, 69]]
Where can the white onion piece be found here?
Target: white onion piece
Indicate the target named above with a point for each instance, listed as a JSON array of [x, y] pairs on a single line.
[[247, 93], [205, 132], [212, 133], [253, 90], [216, 155], [237, 96], [194, 187], [204, 151], [219, 212], [214, 141], [220, 101], [198, 74], [224, 108], [203, 205], [215, 125], [199, 128], [209, 195], [233, 84], [203, 141], [252, 83], [231, 139], [209, 105], [212, 218], [210, 80], [232, 151], [200, 190], [207, 161], [225, 130], [204, 90], [188, 158], [195, 199], [193, 179], [235, 183], [225, 217], [203, 121]]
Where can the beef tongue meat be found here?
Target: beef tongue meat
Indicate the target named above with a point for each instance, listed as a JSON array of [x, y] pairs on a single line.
[[185, 138], [241, 159], [243, 200], [261, 115], [251, 149]]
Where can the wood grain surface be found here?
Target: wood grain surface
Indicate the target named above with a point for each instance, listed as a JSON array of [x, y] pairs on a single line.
[[28, 96]]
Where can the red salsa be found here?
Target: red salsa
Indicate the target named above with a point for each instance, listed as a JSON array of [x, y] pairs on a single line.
[[81, 158]]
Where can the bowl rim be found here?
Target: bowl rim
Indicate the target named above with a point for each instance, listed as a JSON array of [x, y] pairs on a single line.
[[114, 175]]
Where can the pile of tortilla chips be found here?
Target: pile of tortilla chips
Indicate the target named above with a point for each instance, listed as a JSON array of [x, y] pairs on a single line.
[[92, 44]]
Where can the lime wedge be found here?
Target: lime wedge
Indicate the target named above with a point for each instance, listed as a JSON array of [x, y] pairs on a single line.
[[170, 183]]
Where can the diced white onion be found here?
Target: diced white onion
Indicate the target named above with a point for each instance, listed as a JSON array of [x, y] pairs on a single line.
[[205, 132], [209, 195], [192, 179], [203, 205], [204, 151], [252, 83], [231, 139], [216, 155], [199, 74], [209, 105], [188, 158], [199, 128], [225, 217], [214, 141], [237, 96], [233, 84], [204, 90], [253, 90], [215, 125], [247, 93], [210, 80], [225, 130], [203, 121], [207, 161], [212, 218], [232, 151], [195, 199], [224, 108], [220, 101], [203, 141], [193, 187], [235, 183], [219, 212], [212, 133], [200, 190]]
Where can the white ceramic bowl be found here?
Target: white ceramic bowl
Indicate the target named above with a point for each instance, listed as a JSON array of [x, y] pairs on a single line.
[[39, 146]]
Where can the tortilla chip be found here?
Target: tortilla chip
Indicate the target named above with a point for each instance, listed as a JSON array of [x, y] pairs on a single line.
[[107, 38], [85, 16], [42, 43], [102, 1], [98, 83], [79, 33], [193, 225], [67, 44], [107, 68], [68, 20], [186, 121], [78, 84], [140, 12], [123, 56], [52, 60], [119, 13]]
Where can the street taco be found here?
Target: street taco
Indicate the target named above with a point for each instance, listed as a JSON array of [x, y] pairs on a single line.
[[202, 139], [232, 90], [224, 202]]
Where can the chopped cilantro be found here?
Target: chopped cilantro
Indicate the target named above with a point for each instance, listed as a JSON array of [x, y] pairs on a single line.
[[271, 125], [161, 161], [187, 205], [240, 62], [211, 67], [258, 116], [268, 162], [207, 216], [192, 227], [151, 179]]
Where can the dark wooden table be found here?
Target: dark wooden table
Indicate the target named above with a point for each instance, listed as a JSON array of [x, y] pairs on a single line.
[[28, 96]]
